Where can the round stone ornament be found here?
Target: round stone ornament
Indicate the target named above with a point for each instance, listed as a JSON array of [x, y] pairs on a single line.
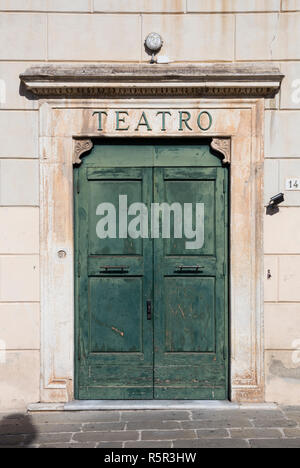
[[154, 42]]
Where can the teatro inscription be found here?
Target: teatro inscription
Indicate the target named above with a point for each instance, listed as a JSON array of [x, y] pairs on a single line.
[[157, 121]]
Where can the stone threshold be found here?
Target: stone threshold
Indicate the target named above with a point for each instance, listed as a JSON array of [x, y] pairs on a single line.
[[141, 405]]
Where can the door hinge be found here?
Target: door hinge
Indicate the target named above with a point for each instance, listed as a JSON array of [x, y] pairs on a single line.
[[79, 269], [224, 353], [78, 184], [225, 269]]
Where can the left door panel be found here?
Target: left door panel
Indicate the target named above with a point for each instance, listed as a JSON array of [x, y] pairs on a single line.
[[114, 285]]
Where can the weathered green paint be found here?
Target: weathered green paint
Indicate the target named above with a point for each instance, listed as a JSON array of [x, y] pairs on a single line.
[[182, 353], [190, 307]]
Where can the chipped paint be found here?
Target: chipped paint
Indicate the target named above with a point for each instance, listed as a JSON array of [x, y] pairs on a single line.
[[117, 331]]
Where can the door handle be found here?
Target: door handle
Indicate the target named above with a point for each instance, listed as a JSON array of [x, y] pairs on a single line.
[[149, 310], [191, 268], [114, 269]]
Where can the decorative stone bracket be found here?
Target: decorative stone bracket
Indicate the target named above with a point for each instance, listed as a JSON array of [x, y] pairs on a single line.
[[81, 146], [223, 146]]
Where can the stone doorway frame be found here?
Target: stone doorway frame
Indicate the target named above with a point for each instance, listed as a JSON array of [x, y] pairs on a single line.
[[235, 98]]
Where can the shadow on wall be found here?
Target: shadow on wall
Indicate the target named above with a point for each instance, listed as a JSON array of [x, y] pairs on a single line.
[[17, 430]]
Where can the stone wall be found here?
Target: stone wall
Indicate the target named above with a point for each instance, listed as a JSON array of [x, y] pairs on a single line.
[[93, 31]]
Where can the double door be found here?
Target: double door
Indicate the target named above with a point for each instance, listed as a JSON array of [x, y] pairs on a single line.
[[151, 283]]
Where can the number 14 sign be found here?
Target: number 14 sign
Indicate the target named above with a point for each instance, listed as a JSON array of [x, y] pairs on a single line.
[[292, 184]]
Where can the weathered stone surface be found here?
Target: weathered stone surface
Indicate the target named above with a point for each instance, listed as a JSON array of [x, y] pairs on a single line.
[[103, 426], [148, 444], [109, 445], [66, 5], [254, 433], [211, 443], [152, 425], [293, 432], [290, 92], [24, 36], [281, 134], [212, 433], [19, 182], [155, 416], [282, 325], [290, 5], [289, 168], [76, 417], [87, 445], [58, 438], [271, 278], [289, 278], [199, 44], [19, 278], [239, 80], [283, 379], [102, 38], [139, 6], [27, 334], [217, 423], [275, 444], [267, 36], [271, 182], [12, 441], [18, 386], [115, 436], [46, 429], [11, 96], [23, 124], [232, 5], [45, 5], [168, 435], [282, 231], [270, 427], [21, 233]]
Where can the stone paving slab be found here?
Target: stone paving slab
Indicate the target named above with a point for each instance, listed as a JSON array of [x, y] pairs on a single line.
[[240, 428], [271, 443], [211, 443]]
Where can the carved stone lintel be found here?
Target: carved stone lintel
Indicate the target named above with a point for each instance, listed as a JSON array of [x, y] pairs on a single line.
[[245, 80], [223, 146], [81, 146]]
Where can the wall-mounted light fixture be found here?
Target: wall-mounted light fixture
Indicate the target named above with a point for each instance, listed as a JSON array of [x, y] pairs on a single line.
[[272, 207], [153, 44]]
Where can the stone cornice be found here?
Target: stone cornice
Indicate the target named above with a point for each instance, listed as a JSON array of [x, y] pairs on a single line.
[[122, 81]]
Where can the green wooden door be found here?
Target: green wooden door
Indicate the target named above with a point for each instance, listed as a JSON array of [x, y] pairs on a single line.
[[190, 324], [115, 281], [151, 312]]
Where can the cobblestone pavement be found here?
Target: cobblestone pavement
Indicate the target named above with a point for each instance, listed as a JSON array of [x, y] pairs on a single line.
[[240, 428]]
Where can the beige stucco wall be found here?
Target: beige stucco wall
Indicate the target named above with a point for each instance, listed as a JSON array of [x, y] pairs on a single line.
[[38, 31]]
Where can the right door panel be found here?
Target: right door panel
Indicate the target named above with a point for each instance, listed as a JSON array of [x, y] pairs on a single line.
[[190, 328]]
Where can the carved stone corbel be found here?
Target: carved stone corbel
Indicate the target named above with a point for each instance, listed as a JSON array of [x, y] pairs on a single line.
[[223, 146], [81, 146]]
